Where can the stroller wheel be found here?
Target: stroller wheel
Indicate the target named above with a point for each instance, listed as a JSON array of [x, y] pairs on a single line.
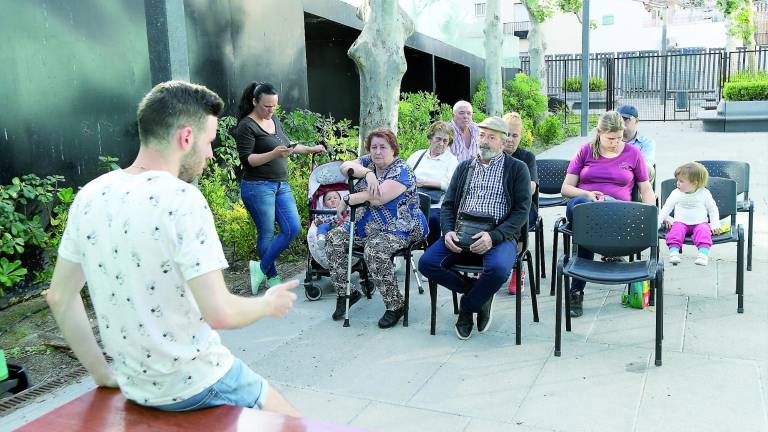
[[312, 292]]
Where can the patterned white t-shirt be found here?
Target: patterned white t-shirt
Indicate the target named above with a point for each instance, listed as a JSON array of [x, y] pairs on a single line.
[[139, 238]]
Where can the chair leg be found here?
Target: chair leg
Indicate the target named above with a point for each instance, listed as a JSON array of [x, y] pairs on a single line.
[[536, 276], [740, 271], [534, 289], [554, 260], [432, 306], [408, 261], [659, 312], [652, 293], [518, 303], [417, 276], [749, 239], [540, 248], [455, 302], [567, 283], [558, 307]]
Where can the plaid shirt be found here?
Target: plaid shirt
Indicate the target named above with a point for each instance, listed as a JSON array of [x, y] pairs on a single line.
[[486, 190], [459, 148]]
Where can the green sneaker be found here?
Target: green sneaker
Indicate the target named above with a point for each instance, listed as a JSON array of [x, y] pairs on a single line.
[[274, 281], [257, 276]]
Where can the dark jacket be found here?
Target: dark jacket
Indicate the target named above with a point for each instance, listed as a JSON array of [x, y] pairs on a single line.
[[517, 186]]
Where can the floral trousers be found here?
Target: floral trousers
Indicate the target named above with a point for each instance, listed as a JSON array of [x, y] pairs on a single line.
[[377, 253]]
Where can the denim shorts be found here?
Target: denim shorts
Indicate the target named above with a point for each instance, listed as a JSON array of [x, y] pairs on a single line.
[[240, 386]]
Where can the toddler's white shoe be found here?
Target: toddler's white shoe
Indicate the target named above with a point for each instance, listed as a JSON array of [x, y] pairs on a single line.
[[702, 259], [674, 257]]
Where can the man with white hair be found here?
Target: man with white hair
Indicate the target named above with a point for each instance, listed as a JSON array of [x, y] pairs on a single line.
[[496, 187], [464, 132]]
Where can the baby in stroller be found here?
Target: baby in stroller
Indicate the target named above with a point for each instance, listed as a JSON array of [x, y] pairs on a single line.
[[326, 222]]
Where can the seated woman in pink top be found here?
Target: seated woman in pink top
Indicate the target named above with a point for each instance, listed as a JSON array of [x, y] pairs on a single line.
[[603, 169]]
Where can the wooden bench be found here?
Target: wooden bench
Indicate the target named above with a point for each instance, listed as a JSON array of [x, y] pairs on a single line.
[[108, 410]]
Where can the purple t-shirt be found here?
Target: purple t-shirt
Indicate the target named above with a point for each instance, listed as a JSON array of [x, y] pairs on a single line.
[[614, 177]]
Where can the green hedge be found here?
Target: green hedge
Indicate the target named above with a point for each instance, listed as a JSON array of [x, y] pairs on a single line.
[[746, 91], [573, 84]]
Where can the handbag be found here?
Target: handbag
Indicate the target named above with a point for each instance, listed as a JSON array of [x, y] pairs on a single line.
[[435, 195], [469, 223]]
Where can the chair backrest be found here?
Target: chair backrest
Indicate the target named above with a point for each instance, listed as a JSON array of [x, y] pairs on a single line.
[[723, 191], [734, 170], [551, 174], [425, 203], [615, 228]]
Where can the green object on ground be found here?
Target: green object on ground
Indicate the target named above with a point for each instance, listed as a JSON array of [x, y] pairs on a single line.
[[3, 366]]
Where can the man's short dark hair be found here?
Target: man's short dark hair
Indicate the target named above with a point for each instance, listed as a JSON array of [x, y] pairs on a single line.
[[174, 104]]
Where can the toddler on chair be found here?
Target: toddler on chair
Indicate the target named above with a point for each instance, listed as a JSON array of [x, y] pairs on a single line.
[[692, 203]]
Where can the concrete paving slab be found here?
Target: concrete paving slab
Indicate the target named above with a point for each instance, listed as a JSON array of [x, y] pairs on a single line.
[[674, 399], [714, 328], [394, 365], [478, 425], [619, 325], [324, 406], [487, 377], [591, 387], [387, 417]]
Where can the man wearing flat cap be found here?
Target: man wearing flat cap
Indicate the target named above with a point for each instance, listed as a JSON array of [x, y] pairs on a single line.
[[494, 187], [646, 145]]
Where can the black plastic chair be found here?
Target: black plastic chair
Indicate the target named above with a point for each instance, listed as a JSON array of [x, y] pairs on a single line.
[[552, 174], [612, 228], [739, 172], [407, 253], [476, 267], [724, 193]]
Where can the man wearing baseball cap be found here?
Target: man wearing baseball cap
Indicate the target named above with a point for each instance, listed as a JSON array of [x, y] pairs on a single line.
[[632, 136], [493, 186]]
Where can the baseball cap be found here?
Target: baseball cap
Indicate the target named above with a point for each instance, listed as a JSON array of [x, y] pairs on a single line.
[[627, 111]]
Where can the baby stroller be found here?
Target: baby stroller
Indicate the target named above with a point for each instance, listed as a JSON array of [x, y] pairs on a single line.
[[325, 178]]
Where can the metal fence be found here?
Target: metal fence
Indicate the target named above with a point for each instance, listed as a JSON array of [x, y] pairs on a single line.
[[676, 86]]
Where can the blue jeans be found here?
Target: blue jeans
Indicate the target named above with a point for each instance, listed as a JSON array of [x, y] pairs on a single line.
[[240, 386], [577, 285], [497, 266], [267, 202]]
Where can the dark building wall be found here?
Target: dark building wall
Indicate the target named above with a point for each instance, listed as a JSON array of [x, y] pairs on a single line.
[[332, 81], [73, 74], [75, 71]]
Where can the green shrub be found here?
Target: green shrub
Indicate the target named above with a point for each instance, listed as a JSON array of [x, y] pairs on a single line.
[[749, 76], [550, 130], [416, 112], [521, 94], [573, 84], [746, 91], [238, 231]]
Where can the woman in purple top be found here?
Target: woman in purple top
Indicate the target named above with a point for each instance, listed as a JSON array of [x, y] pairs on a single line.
[[604, 169]]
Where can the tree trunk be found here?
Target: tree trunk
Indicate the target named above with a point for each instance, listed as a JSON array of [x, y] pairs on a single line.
[[380, 58], [536, 50], [493, 49], [749, 38]]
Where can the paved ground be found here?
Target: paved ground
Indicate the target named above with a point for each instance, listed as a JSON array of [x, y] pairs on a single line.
[[714, 377]]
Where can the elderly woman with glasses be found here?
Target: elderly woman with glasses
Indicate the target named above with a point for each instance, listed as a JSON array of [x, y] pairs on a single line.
[[434, 167], [604, 169], [389, 223]]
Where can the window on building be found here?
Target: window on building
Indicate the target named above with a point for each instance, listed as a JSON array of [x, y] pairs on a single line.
[[607, 19], [480, 9]]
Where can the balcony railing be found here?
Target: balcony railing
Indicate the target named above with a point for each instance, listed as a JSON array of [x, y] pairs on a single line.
[[518, 28]]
